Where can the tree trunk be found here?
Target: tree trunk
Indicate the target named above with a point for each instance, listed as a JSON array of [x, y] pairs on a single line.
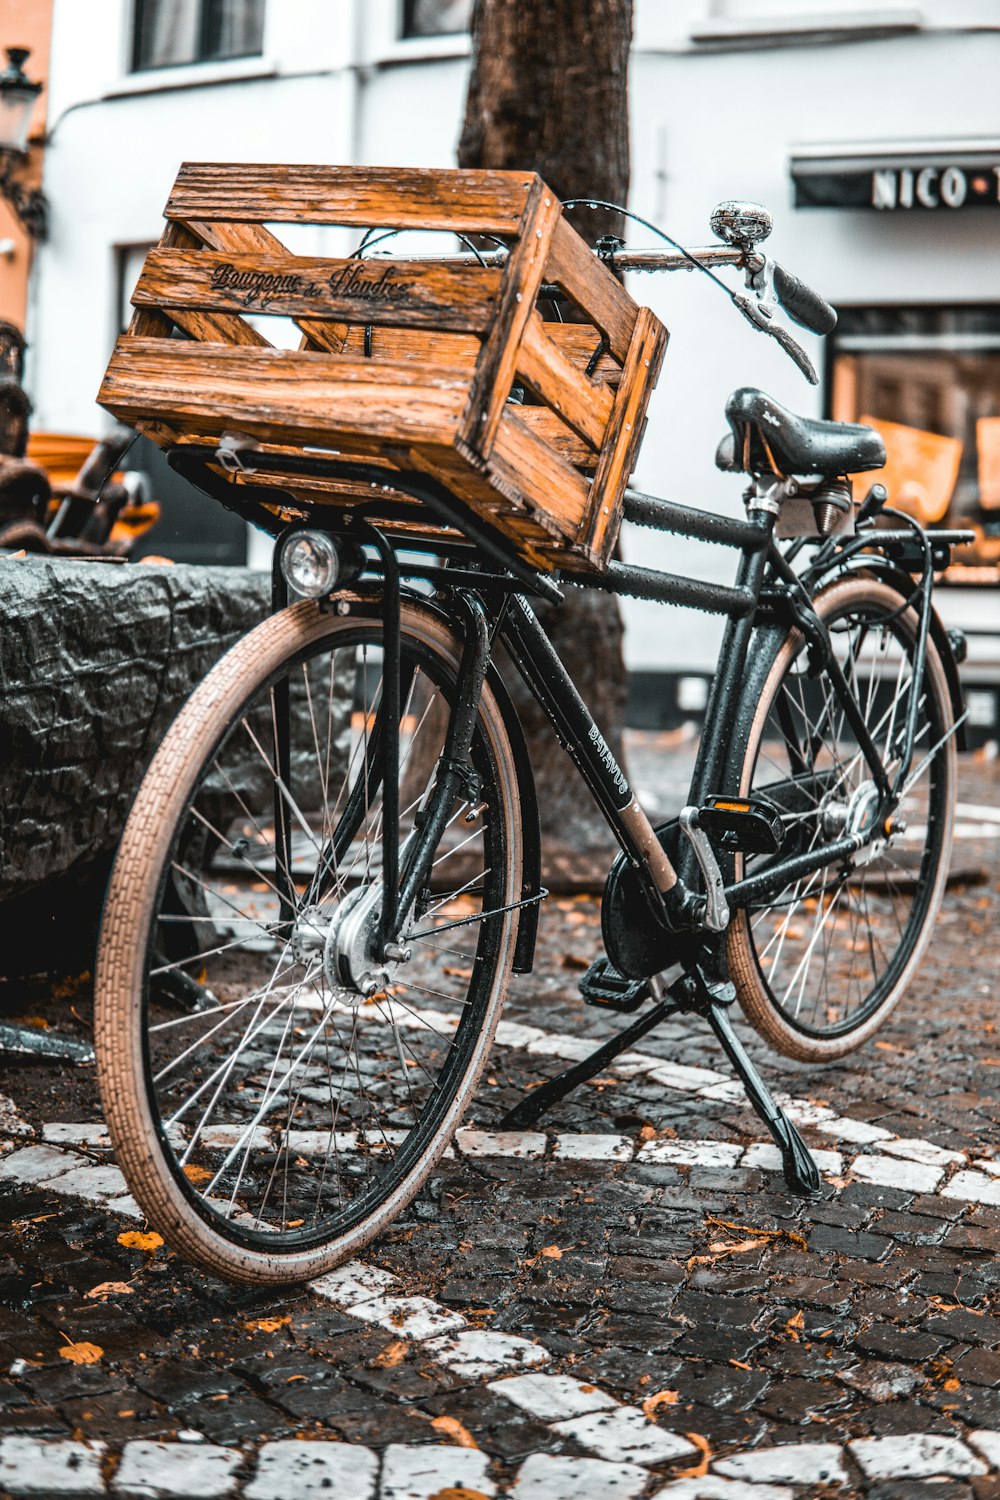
[[548, 93]]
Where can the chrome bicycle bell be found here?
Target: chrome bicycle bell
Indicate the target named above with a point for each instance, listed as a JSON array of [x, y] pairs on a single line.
[[741, 224]]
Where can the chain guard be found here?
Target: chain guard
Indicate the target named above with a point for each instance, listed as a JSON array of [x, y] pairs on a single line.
[[635, 938]]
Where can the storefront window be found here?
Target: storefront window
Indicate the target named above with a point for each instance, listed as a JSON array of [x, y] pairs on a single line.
[[929, 379], [435, 17], [169, 33]]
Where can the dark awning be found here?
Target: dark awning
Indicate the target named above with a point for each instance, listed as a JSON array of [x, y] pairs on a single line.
[[926, 179]]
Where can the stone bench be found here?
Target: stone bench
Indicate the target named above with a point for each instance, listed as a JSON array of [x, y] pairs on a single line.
[[95, 661]]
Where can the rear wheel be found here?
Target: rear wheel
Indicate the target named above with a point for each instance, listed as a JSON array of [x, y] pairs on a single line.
[[276, 1090], [819, 967]]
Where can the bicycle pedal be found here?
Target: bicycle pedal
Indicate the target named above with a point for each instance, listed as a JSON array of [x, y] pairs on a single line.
[[602, 985], [742, 824]]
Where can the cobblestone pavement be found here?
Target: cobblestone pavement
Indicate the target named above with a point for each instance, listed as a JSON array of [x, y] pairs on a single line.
[[626, 1303]]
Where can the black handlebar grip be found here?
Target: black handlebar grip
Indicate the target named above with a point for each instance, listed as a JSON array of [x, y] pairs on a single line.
[[802, 303]]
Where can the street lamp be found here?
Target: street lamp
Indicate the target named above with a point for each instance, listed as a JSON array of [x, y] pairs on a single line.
[[17, 99]]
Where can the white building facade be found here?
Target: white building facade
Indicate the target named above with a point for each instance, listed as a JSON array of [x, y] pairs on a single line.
[[873, 134]]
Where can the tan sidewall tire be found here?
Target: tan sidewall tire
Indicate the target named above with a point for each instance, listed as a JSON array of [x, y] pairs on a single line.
[[753, 994], [129, 910]]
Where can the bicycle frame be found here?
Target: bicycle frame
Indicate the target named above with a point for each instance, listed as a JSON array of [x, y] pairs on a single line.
[[766, 589]]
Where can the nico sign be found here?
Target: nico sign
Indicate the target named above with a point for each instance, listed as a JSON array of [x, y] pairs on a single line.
[[936, 184]]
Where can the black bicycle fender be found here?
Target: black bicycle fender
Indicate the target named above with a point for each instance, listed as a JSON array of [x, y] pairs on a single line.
[[531, 832]]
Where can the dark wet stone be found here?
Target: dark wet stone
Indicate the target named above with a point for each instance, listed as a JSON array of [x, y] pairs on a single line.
[[970, 1326], [912, 1346], [722, 1387], [855, 1244], [794, 1400], [183, 1382], [719, 1343], [116, 1417], [909, 1230], [39, 1421], [981, 1366], [237, 1419], [880, 1381]]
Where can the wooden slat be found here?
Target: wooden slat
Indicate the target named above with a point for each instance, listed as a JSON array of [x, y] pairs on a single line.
[[217, 328], [459, 351], [552, 430], [248, 239], [522, 460], [497, 364], [532, 535], [407, 294], [592, 287], [279, 395], [418, 198], [152, 322], [585, 405], [579, 342], [624, 435]]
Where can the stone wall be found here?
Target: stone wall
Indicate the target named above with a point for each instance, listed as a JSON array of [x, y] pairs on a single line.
[[95, 661]]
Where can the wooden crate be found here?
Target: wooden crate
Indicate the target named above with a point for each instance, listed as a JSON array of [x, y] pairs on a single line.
[[408, 361]]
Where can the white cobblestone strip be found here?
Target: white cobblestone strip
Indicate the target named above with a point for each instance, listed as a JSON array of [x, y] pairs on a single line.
[[419, 1471], [714, 1487], [915, 1456], [30, 1466], [624, 1435], [626, 1445], [787, 1463], [61, 1161], [289, 1469], [987, 1444], [196, 1471], [543, 1477], [479, 1352], [553, 1398], [973, 1187]]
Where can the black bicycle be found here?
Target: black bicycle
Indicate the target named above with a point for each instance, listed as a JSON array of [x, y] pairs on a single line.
[[333, 866]]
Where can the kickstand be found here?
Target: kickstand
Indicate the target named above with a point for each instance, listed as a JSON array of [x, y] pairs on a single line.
[[690, 992], [713, 1002], [531, 1108]]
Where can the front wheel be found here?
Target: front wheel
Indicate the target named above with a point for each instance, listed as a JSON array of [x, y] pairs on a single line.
[[276, 1087], [819, 966]]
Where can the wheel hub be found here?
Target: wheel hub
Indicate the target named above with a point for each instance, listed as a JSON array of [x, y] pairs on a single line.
[[349, 939]]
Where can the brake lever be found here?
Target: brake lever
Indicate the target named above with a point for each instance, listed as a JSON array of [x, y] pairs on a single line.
[[760, 317]]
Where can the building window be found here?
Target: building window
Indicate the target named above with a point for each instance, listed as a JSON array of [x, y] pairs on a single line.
[[170, 33], [435, 17], [929, 379]]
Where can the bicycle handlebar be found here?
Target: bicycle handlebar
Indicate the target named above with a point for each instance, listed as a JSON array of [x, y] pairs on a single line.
[[742, 226], [800, 302]]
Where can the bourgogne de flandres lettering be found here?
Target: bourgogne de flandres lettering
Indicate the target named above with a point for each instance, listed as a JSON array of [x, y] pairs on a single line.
[[348, 281]]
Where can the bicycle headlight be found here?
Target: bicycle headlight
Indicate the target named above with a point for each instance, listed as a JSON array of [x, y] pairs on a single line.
[[310, 563]]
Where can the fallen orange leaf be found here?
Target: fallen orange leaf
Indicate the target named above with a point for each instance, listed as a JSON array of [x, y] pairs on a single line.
[[81, 1354], [551, 1252], [458, 1492], [393, 1354], [455, 1430], [700, 1469], [134, 1239], [795, 1322], [110, 1289], [661, 1398], [195, 1173], [268, 1325]]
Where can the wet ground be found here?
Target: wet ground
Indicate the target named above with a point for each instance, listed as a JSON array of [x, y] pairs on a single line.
[[624, 1302]]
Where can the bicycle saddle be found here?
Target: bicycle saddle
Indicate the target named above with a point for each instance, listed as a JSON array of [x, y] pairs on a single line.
[[767, 439]]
